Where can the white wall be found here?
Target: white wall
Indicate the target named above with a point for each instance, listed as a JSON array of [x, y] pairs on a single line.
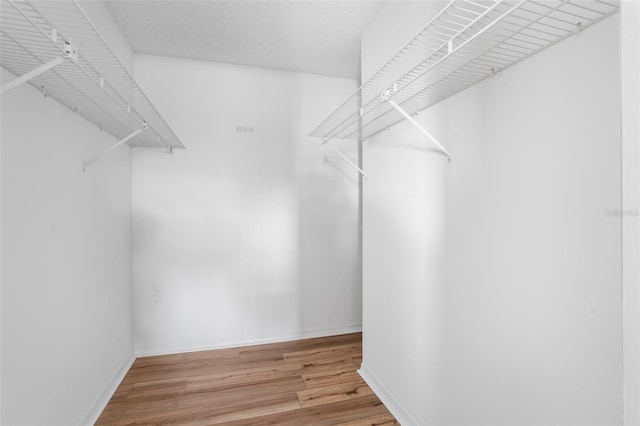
[[630, 51], [66, 289], [67, 334], [242, 237], [534, 323], [499, 272], [403, 238]]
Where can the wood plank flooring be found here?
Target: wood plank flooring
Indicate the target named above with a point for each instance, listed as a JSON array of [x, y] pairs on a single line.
[[304, 382]]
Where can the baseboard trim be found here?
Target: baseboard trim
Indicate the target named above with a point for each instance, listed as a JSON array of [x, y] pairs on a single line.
[[388, 399], [110, 388], [190, 347]]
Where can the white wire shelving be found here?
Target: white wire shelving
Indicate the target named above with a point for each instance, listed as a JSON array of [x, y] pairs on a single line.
[[468, 41], [55, 47]]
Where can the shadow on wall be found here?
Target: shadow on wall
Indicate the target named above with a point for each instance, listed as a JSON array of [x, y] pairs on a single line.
[[328, 268], [404, 221], [217, 270], [338, 165]]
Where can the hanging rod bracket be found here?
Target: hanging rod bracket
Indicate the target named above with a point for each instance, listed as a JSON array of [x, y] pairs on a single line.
[[387, 95], [71, 52], [122, 141], [345, 158]]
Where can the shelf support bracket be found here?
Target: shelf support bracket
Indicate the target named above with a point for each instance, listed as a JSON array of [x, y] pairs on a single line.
[[31, 74], [416, 124], [345, 158], [122, 141], [70, 53]]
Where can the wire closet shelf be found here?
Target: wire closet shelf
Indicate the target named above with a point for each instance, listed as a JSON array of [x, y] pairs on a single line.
[[80, 70], [468, 41]]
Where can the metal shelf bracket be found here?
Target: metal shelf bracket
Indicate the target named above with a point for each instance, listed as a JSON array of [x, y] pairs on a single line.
[[387, 97], [468, 41], [55, 47], [345, 158], [122, 141], [31, 74], [70, 53]]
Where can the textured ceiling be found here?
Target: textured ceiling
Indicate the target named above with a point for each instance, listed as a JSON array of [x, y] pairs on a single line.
[[318, 37]]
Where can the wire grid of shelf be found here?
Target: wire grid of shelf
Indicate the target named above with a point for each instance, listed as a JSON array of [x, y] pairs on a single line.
[[98, 87], [468, 41]]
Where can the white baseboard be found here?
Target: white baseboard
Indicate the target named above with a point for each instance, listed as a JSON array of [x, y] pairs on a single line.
[[388, 399], [107, 392], [182, 347]]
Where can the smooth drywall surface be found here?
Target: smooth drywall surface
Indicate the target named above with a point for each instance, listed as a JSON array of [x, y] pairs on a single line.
[[501, 268], [67, 334], [630, 60], [533, 312], [245, 236], [66, 287], [403, 243]]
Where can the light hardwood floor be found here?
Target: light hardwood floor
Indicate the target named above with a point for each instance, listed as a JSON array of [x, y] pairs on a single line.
[[304, 382]]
